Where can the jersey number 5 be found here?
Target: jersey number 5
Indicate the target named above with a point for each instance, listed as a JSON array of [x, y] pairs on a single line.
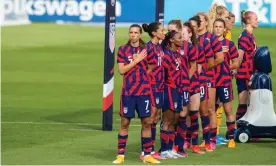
[[226, 93]]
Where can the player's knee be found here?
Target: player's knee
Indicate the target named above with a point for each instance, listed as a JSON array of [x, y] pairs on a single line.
[[125, 126], [146, 123], [183, 113], [157, 118], [172, 125], [211, 110], [228, 112], [204, 112], [166, 124]]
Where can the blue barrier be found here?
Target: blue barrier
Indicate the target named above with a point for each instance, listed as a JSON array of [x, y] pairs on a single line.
[[134, 10], [82, 10]]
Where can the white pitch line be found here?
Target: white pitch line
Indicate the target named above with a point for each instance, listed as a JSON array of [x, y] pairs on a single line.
[[99, 130], [42, 123], [223, 127], [83, 124]]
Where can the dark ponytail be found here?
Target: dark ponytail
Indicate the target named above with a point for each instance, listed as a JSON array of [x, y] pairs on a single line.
[[152, 27], [191, 30], [166, 42], [141, 42], [196, 19]]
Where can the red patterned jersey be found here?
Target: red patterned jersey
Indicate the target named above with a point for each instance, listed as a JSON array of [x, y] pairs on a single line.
[[208, 52], [247, 43], [223, 72], [155, 57], [136, 80], [172, 68]]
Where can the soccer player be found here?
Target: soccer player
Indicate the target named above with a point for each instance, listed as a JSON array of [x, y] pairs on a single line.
[[189, 35], [187, 51], [205, 62], [190, 86], [224, 91], [229, 24], [218, 11], [246, 48], [217, 49], [173, 67], [156, 75], [135, 95]]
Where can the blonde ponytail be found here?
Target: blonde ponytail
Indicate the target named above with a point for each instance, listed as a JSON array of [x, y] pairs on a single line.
[[215, 12], [206, 18], [212, 17]]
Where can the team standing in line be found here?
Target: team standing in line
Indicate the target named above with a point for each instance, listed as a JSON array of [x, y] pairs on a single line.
[[185, 73]]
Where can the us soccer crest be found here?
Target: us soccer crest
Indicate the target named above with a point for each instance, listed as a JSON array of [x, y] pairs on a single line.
[[157, 100], [175, 104], [125, 110], [112, 37]]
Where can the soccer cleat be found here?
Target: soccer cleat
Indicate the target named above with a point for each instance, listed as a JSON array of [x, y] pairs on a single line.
[[186, 145], [167, 155], [202, 145], [175, 154], [196, 149], [182, 153], [150, 159], [213, 145], [208, 148], [157, 156], [231, 143], [119, 160]]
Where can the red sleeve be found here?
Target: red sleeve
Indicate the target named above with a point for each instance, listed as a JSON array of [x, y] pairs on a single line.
[[150, 55], [233, 51], [208, 49], [201, 55], [244, 43], [121, 58], [166, 61], [193, 54]]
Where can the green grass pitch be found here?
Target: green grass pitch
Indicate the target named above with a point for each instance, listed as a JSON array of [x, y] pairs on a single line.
[[52, 79]]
